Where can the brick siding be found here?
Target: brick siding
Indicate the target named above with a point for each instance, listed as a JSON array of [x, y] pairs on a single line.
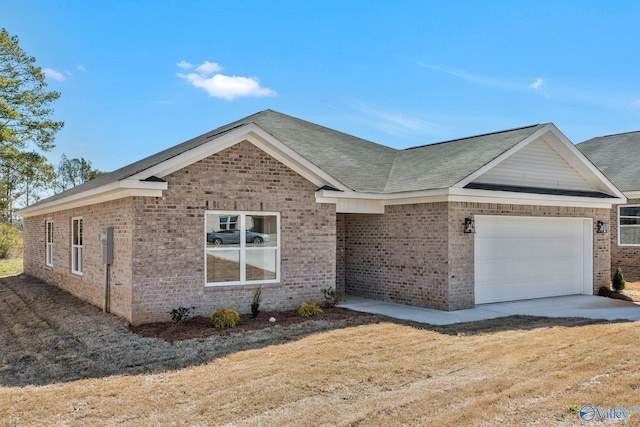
[[625, 257], [418, 254], [159, 242]]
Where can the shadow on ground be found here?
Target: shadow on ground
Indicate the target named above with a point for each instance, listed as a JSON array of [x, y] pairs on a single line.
[[49, 336]]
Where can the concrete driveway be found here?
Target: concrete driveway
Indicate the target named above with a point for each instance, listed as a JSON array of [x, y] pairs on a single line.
[[587, 306]]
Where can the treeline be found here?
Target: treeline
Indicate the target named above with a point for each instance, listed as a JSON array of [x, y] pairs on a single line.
[[27, 133]]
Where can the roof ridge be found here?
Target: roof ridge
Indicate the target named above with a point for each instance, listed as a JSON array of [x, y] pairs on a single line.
[[618, 134], [474, 136]]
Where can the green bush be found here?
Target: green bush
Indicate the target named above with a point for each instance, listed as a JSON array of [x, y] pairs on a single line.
[[10, 241], [617, 281], [331, 297], [308, 310], [225, 318]]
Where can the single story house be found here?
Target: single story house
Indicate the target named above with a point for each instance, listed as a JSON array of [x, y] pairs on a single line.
[[618, 156], [293, 207]]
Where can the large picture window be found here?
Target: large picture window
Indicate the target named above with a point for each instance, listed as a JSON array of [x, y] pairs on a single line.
[[49, 244], [242, 248], [629, 226], [76, 246]]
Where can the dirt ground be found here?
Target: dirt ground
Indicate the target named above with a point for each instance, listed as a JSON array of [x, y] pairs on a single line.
[[64, 362]]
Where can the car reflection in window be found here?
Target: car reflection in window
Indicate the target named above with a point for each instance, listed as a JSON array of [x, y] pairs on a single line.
[[226, 237]]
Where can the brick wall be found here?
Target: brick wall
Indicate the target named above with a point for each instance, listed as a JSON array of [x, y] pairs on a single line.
[[418, 254], [168, 255], [400, 256], [625, 257], [340, 252], [89, 286]]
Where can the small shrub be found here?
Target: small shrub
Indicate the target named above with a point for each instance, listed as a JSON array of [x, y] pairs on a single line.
[[309, 310], [225, 318], [331, 297], [617, 281], [180, 314], [571, 408], [10, 241], [255, 304]]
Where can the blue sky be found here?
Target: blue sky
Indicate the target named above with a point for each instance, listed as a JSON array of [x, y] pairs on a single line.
[[137, 77]]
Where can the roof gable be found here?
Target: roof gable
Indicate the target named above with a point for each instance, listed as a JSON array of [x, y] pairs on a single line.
[[545, 160], [444, 164]]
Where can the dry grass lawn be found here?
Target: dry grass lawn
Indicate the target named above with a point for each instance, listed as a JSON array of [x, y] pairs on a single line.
[[510, 371]]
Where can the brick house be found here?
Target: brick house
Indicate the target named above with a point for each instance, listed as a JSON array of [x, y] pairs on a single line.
[[275, 202], [617, 157]]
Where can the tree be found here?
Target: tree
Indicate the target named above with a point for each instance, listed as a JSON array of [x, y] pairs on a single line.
[[25, 117], [72, 172]]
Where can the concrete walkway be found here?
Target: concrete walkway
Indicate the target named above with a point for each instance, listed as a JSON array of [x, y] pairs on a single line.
[[588, 306]]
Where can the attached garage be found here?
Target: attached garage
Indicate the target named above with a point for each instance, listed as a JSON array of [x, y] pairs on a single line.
[[532, 257]]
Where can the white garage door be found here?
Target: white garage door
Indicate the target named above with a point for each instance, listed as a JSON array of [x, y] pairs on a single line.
[[531, 257]]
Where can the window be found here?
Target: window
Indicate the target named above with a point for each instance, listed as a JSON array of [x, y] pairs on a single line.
[[242, 248], [76, 246], [629, 226], [49, 245]]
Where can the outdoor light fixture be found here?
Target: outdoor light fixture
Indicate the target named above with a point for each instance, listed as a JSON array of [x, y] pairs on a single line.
[[601, 227], [469, 225]]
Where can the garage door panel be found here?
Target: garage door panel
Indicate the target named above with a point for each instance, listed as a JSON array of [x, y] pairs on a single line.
[[502, 249], [530, 257]]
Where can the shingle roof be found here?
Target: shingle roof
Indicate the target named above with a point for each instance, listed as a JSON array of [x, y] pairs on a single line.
[[617, 156], [360, 165]]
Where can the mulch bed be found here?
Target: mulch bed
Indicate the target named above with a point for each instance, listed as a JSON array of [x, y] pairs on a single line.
[[606, 292], [200, 326]]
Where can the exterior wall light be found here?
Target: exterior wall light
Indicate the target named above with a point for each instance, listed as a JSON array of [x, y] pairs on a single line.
[[469, 225], [601, 227]]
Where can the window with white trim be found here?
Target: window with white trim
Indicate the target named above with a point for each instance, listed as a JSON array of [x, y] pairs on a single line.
[[231, 259], [49, 245], [629, 226], [76, 246]]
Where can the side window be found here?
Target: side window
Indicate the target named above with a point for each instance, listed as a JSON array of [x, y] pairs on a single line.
[[76, 246], [49, 244], [629, 226], [242, 248]]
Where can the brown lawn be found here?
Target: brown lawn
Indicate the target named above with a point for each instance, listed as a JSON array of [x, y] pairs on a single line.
[[511, 371]]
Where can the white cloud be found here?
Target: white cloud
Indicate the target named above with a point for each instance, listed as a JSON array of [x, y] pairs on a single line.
[[185, 65], [539, 82], [220, 85], [81, 68], [208, 68], [53, 74]]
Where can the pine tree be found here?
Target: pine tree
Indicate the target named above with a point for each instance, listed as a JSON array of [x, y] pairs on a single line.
[[617, 281]]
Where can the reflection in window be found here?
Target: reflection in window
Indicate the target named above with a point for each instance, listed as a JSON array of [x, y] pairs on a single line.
[[241, 247], [629, 225]]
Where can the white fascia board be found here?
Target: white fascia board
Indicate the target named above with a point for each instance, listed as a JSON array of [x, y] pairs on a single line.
[[281, 152], [584, 161], [366, 202], [508, 197], [74, 202], [256, 136], [632, 194], [564, 141]]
